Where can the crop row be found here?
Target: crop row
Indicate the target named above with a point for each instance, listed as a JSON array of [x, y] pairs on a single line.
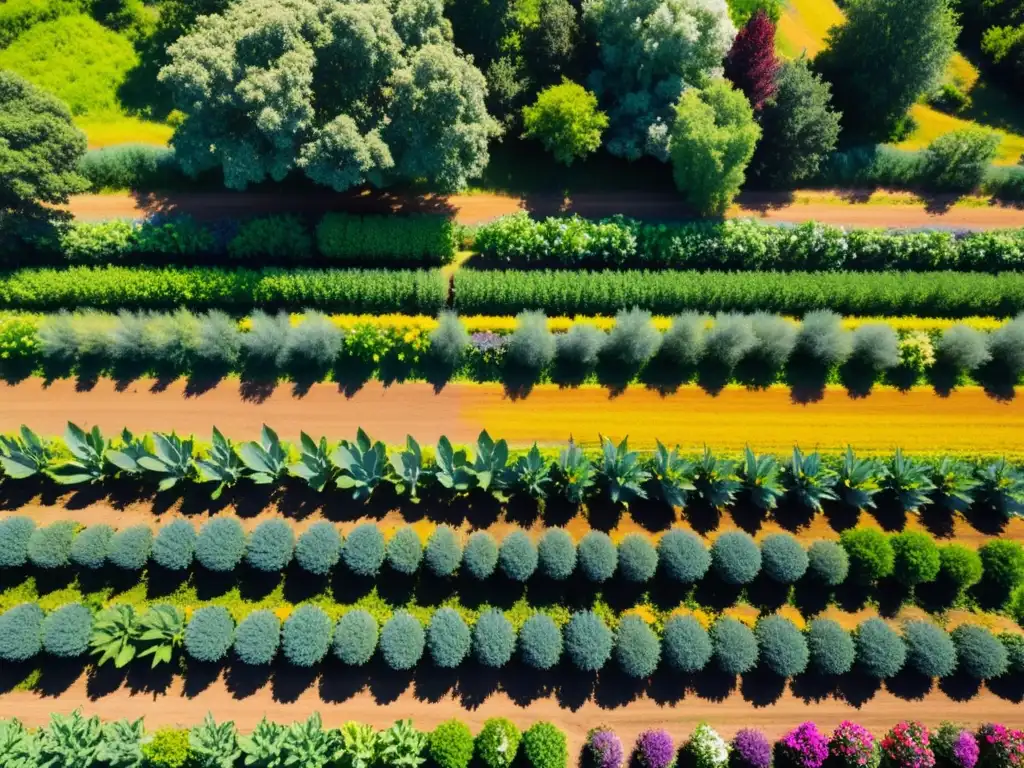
[[615, 475], [517, 241], [938, 294]]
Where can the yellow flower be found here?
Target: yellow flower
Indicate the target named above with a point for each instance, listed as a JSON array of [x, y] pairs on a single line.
[[283, 612]]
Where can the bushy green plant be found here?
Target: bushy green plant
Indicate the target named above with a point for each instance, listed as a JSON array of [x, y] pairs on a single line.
[[448, 344], [480, 556], [734, 645], [50, 547], [870, 555], [881, 652], [405, 551], [959, 567], [448, 638], [638, 559], [782, 648], [401, 641], [821, 340], [451, 745], [915, 557], [497, 744], [66, 631], [15, 533], [566, 120], [281, 238], [540, 642], [930, 651], [783, 559], [587, 641], [220, 544], [494, 639], [129, 548], [577, 353], [636, 647], [209, 634], [318, 548], [979, 653], [364, 550], [682, 556], [556, 554], [174, 545], [1014, 645], [90, 546], [827, 563], [958, 160], [735, 557], [306, 636], [517, 556], [726, 342], [1002, 563], [355, 637], [832, 651], [311, 347], [169, 748], [544, 746], [21, 632], [597, 556], [257, 638], [962, 349], [685, 644], [420, 239], [629, 345], [443, 553]]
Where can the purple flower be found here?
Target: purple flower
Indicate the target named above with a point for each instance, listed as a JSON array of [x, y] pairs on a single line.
[[965, 750], [654, 749], [805, 746], [605, 748], [487, 341], [752, 749]]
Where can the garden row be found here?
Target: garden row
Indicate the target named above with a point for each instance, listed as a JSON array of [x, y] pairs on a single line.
[[417, 240], [518, 241], [756, 350], [445, 639], [615, 475], [864, 555], [240, 291]]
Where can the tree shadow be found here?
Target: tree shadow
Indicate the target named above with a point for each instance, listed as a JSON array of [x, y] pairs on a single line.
[[761, 687], [244, 680], [960, 687], [806, 378], [909, 684]]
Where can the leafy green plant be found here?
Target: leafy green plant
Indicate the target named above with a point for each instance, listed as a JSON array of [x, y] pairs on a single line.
[[314, 464], [908, 481], [114, 633], [1001, 487], [88, 449], [122, 744], [126, 456], [266, 460], [715, 479], [453, 471], [171, 458], [162, 628], [954, 485], [760, 480], [575, 473], [19, 747], [531, 474], [858, 481], [402, 746], [308, 745], [358, 745], [221, 466], [265, 746], [407, 465], [620, 472], [808, 481], [361, 465], [24, 455], [214, 746], [671, 476], [489, 462], [70, 741]]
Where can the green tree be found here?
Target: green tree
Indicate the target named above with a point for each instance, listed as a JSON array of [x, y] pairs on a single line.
[[566, 120], [884, 57], [649, 51], [712, 143], [349, 92], [551, 44], [799, 127], [958, 160]]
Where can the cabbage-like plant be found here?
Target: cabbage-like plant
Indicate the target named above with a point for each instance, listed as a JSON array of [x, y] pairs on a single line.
[[308, 745], [19, 747], [266, 460], [808, 481], [114, 633], [24, 455], [489, 462], [857, 483], [760, 480], [162, 629], [954, 484], [530, 474], [1001, 487], [402, 746], [358, 745], [71, 741], [265, 746], [621, 473], [671, 476], [453, 471], [128, 452], [407, 466], [909, 481], [222, 466], [314, 464], [122, 744], [171, 458], [89, 463], [212, 745], [715, 479], [361, 465], [575, 473]]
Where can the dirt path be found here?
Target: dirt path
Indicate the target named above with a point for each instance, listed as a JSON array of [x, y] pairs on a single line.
[[967, 421], [477, 208]]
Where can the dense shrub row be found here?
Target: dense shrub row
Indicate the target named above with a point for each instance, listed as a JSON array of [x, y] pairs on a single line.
[[739, 245]]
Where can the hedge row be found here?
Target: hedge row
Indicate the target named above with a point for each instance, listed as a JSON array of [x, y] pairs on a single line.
[[417, 240], [931, 294], [444, 638], [615, 475], [518, 241], [863, 556]]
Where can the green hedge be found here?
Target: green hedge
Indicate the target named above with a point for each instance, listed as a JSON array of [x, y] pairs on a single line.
[[421, 239]]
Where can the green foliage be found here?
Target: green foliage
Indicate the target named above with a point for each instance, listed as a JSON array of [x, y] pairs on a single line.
[[530, 349], [419, 239], [597, 556], [638, 559], [270, 546], [448, 638], [783, 559], [21, 632], [130, 548], [620, 472], [70, 741], [958, 160], [210, 633], [734, 645], [122, 743], [1003, 568], [831, 649], [682, 556], [15, 533], [556, 554], [266, 460], [24, 454], [480, 556], [685, 644], [220, 544], [759, 480], [979, 652], [171, 460], [50, 547], [497, 744], [361, 465], [908, 481], [257, 638], [858, 481], [575, 474], [319, 548], [517, 556], [628, 347], [782, 648], [930, 651], [544, 746], [959, 567], [401, 641], [443, 553], [66, 631], [713, 140], [566, 120], [174, 545], [89, 548], [130, 166], [881, 652], [450, 745], [162, 630], [169, 748], [221, 465], [671, 475], [114, 632], [915, 557], [364, 550], [214, 746], [355, 638], [870, 554], [636, 647], [540, 642], [587, 641], [735, 558], [448, 344], [404, 551], [827, 563], [277, 238], [306, 636], [401, 745], [494, 639]]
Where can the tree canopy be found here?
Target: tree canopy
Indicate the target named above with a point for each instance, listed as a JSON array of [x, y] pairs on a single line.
[[349, 92], [566, 120]]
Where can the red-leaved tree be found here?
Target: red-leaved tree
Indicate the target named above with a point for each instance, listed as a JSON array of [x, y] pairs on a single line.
[[752, 64]]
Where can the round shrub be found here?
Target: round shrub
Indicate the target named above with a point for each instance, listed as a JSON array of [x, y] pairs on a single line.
[[306, 636], [220, 544], [318, 549], [443, 553], [636, 647], [556, 554], [270, 547], [683, 557], [880, 651], [804, 747], [962, 348], [174, 546], [169, 748], [450, 745], [736, 558], [751, 749], [257, 638], [980, 653], [66, 631], [545, 746], [852, 746], [15, 533], [363, 551], [448, 638], [822, 341], [1002, 564], [21, 632], [529, 349], [827, 563], [540, 642], [90, 546], [405, 551], [401, 641], [209, 633], [130, 548], [480, 557], [654, 749], [517, 556], [831, 649], [915, 557], [494, 639], [930, 651], [576, 354], [638, 559], [782, 648], [588, 641], [50, 547], [497, 744], [604, 749], [959, 566], [685, 644], [1014, 645], [870, 554], [783, 559], [597, 556], [355, 637], [734, 646]]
